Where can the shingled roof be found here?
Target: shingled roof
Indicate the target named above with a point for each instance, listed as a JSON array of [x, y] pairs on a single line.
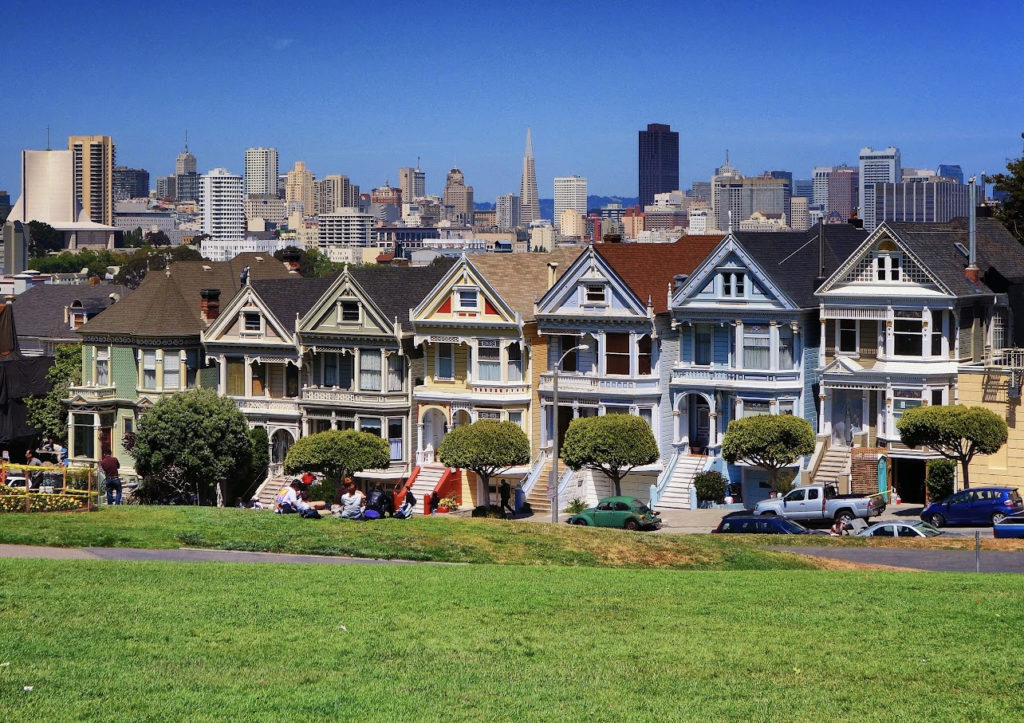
[[39, 312], [521, 279], [791, 258], [650, 269], [291, 297], [397, 289], [166, 304]]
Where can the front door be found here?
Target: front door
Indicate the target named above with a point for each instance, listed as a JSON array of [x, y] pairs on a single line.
[[883, 472], [700, 432], [564, 418]]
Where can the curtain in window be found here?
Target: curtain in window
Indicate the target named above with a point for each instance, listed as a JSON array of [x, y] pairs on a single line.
[[236, 377], [369, 370], [149, 370], [785, 347], [395, 437], [515, 362], [756, 348], [172, 369], [259, 379], [102, 367], [489, 364], [396, 372]]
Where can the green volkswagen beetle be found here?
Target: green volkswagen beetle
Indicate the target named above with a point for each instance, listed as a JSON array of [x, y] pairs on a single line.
[[622, 512]]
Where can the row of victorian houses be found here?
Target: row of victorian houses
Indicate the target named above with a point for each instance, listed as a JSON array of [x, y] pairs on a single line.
[[843, 328]]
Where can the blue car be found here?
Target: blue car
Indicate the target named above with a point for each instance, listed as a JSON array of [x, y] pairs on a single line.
[[1009, 528], [977, 506], [760, 525]]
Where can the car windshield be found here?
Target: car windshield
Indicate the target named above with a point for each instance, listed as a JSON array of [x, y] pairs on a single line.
[[641, 508], [927, 530], [794, 527]]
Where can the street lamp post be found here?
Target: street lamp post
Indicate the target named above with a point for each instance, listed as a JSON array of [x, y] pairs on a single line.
[[553, 480]]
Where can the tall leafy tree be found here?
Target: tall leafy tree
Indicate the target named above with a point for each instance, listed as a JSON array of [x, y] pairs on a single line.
[[338, 454], [44, 238], [194, 442], [1011, 211], [486, 448], [769, 441], [613, 444], [48, 413], [956, 432]]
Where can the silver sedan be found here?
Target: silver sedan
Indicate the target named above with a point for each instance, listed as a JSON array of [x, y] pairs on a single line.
[[900, 529]]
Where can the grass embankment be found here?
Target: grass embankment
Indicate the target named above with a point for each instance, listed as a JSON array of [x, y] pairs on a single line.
[[438, 538], [197, 641]]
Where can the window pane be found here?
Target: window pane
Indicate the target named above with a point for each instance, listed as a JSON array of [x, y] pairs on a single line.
[[369, 370], [330, 370], [756, 348], [370, 425], [346, 370], [259, 379], [172, 370], [643, 347], [847, 335], [396, 372], [702, 345], [515, 362], [236, 377], [785, 347], [102, 367], [907, 338], [445, 361], [349, 311], [617, 353]]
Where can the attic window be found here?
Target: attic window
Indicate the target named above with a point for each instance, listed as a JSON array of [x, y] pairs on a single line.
[[252, 321], [595, 294], [349, 311], [733, 285], [887, 266], [467, 300]]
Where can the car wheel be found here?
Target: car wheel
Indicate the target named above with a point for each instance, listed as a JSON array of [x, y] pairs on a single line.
[[632, 525], [937, 520], [844, 516], [580, 521], [998, 517]]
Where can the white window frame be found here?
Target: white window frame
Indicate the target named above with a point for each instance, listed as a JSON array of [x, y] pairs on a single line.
[[105, 351], [595, 294], [437, 361], [890, 264], [172, 359], [244, 320], [734, 284], [341, 311], [143, 368], [460, 306], [839, 337]]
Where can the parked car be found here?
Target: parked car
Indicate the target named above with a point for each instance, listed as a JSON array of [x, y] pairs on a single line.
[[15, 481], [622, 512], [821, 502], [976, 506], [1008, 527], [760, 525], [900, 529]]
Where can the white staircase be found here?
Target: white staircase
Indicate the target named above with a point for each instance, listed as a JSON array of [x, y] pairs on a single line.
[[269, 489], [676, 494], [835, 462], [425, 482]]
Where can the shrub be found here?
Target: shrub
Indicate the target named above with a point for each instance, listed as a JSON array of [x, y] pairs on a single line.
[[940, 478], [785, 481], [41, 502], [324, 491], [575, 506], [490, 511], [710, 486]]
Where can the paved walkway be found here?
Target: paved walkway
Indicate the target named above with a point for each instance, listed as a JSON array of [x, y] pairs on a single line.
[[188, 555], [929, 560]]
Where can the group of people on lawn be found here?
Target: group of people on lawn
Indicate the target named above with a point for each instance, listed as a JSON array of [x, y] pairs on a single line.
[[350, 503]]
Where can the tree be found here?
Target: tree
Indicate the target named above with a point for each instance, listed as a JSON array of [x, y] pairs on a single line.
[[47, 413], [133, 239], [157, 238], [956, 432], [1010, 211], [134, 268], [771, 442], [194, 442], [486, 448], [338, 454], [311, 262], [44, 238], [614, 444]]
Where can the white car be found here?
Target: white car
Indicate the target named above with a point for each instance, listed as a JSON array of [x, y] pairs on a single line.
[[900, 529], [14, 481]]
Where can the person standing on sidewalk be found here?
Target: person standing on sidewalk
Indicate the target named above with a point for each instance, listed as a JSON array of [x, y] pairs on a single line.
[[111, 477]]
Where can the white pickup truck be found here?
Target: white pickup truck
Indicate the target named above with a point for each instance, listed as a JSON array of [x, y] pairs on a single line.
[[821, 502]]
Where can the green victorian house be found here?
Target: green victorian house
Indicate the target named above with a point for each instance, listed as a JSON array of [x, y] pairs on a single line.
[[149, 345]]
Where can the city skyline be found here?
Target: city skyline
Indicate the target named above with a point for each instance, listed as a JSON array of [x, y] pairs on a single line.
[[746, 83]]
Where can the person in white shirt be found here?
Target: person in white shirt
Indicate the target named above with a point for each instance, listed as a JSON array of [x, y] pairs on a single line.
[[352, 501]]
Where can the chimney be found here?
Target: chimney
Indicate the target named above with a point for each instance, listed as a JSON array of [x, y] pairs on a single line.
[[552, 271], [972, 272], [820, 278], [209, 304]]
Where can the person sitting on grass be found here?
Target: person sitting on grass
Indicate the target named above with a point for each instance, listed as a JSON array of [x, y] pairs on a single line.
[[408, 506], [375, 502], [289, 498], [304, 508], [352, 501]]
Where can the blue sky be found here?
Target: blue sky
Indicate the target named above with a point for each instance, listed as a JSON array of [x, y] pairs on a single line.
[[364, 88]]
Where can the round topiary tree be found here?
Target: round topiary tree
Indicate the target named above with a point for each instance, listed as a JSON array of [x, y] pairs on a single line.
[[941, 474], [338, 454], [769, 441], [486, 448], [613, 444], [710, 486], [955, 431]]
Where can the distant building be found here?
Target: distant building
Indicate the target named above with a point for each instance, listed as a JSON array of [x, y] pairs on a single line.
[[460, 197], [804, 187], [570, 193], [299, 188], [412, 182], [94, 176], [819, 183], [167, 187], [187, 186], [185, 162], [345, 227], [222, 205], [701, 190], [759, 221], [507, 211], [726, 196], [954, 173], [130, 183], [876, 167], [333, 192], [801, 220], [658, 162], [266, 206], [842, 191], [935, 200], [227, 249], [261, 171], [787, 189], [529, 203], [572, 224]]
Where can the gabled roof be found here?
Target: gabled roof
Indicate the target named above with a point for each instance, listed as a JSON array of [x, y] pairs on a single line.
[[792, 257], [39, 311], [397, 289], [167, 304], [521, 279], [291, 297], [650, 269]]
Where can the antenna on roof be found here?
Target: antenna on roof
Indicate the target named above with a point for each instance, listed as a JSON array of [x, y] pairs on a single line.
[[186, 140], [47, 136]]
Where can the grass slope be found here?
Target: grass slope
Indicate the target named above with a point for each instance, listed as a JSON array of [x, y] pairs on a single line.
[[439, 538], [207, 641]]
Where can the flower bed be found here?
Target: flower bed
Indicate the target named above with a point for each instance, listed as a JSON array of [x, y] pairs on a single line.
[[14, 501]]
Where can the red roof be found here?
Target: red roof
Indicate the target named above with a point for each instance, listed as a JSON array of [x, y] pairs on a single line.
[[649, 269]]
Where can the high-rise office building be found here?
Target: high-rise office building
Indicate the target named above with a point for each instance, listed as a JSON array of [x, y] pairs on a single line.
[[876, 167], [185, 162], [570, 192], [94, 176], [333, 192], [412, 182], [659, 162], [726, 196], [459, 196], [260, 171], [804, 187], [701, 191], [819, 183], [843, 189], [222, 205], [187, 186], [167, 187], [529, 203], [787, 189], [345, 227], [130, 183], [763, 194], [951, 172], [801, 219], [507, 211], [932, 200], [299, 188]]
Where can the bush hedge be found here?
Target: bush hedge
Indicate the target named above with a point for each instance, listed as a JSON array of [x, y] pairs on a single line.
[[710, 486], [15, 502], [940, 478]]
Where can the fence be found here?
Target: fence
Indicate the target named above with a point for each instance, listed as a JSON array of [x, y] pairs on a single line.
[[46, 488]]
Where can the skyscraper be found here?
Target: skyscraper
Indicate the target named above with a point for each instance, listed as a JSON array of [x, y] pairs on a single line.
[[726, 196], [186, 180], [260, 171], [507, 211], [130, 183], [185, 162], [299, 188], [787, 191], [820, 186], [659, 162], [333, 192], [570, 192], [94, 176], [222, 205], [412, 182], [876, 167], [843, 189], [949, 171], [529, 203], [459, 196]]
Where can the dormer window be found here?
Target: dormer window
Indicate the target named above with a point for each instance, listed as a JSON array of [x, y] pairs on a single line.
[[349, 311], [734, 284], [467, 300], [252, 321], [595, 294]]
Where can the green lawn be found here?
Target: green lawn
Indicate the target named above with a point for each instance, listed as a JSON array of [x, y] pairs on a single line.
[[440, 538], [159, 641]]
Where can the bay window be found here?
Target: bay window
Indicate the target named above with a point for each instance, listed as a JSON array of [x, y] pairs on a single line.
[[369, 370], [643, 355], [616, 353], [786, 347], [172, 370], [489, 362], [515, 362], [907, 337], [149, 370], [396, 372], [235, 377]]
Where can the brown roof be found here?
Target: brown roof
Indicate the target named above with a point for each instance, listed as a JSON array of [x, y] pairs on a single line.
[[649, 269], [521, 279], [168, 304]]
